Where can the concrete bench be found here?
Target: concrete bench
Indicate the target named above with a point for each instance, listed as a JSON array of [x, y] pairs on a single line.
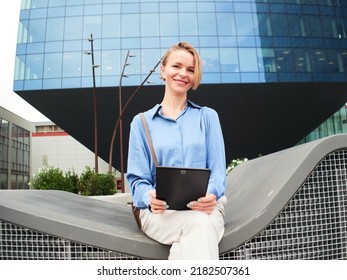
[[259, 193]]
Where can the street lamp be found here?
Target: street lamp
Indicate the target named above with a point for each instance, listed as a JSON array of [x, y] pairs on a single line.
[[91, 40], [119, 120]]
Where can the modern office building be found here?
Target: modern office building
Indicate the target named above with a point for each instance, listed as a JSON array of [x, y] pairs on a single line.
[[52, 146], [273, 69], [15, 150]]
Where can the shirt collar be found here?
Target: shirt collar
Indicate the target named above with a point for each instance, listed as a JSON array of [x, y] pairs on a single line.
[[155, 110]]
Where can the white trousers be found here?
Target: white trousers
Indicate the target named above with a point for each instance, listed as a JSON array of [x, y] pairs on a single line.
[[193, 235]]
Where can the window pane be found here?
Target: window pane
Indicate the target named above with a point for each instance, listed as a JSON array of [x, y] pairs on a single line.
[[188, 24], [92, 25], [37, 30], [53, 63], [244, 24], [149, 25], [73, 28], [72, 64], [226, 24], [34, 66], [207, 24], [229, 60], [167, 28], [130, 25], [114, 21], [55, 29], [210, 57], [248, 60]]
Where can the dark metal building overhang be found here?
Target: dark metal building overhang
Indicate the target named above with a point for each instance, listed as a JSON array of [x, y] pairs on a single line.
[[256, 118]]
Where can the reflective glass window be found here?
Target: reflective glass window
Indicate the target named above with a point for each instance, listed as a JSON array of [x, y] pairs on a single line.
[[188, 24], [149, 25], [224, 7], [205, 6], [329, 27], [284, 60], [226, 24], [38, 13], [19, 69], [168, 7], [36, 30], [92, 10], [229, 60], [313, 26], [74, 2], [110, 63], [56, 12], [266, 60], [208, 41], [302, 61], [244, 24], [73, 28], [111, 26], [279, 24], [211, 59], [92, 25], [74, 10], [248, 60], [149, 7], [35, 48], [166, 26], [207, 24], [242, 7], [319, 60], [22, 35], [130, 25], [56, 3], [296, 25], [74, 45], [34, 66], [55, 29], [72, 64], [54, 47], [21, 49], [110, 44], [334, 62], [111, 9], [149, 58], [38, 3], [150, 42], [187, 6], [53, 65], [131, 8], [264, 24]]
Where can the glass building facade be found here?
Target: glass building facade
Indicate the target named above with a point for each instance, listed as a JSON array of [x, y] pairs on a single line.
[[293, 48], [15, 147], [240, 41]]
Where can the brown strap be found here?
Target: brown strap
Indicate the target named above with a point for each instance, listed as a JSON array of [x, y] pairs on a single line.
[[149, 140], [136, 213]]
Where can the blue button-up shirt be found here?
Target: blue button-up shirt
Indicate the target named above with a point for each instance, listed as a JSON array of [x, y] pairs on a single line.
[[194, 139]]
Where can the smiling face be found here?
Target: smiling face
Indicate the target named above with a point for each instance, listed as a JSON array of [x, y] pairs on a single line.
[[178, 71]]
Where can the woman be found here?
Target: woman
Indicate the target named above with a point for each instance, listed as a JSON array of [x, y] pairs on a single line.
[[183, 134]]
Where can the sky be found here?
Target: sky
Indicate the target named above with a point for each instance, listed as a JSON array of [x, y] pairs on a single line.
[[9, 19]]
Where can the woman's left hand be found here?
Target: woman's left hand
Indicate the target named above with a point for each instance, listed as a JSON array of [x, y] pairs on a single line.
[[205, 204]]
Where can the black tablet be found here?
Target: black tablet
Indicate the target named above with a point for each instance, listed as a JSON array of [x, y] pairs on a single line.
[[180, 185]]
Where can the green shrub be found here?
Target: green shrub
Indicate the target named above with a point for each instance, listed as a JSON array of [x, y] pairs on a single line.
[[48, 178], [89, 183]]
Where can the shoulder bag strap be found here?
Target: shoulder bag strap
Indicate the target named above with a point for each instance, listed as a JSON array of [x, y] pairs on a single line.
[[149, 140]]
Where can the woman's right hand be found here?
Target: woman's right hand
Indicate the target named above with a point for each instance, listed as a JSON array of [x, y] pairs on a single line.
[[157, 206]]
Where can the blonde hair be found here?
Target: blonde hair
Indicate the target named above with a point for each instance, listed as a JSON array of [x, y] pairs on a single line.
[[197, 60]]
